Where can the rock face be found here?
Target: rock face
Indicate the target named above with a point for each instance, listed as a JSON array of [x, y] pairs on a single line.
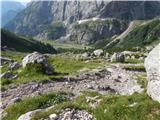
[[38, 58], [152, 65], [39, 15], [118, 57], [90, 30]]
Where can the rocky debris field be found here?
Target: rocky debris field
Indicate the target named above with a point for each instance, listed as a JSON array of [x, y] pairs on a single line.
[[72, 114], [112, 79]]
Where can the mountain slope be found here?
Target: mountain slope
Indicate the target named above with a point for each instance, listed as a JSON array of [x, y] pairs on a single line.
[[143, 35], [23, 44], [9, 10], [40, 15]]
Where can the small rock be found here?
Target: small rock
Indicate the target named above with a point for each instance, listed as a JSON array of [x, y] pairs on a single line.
[[98, 52], [7, 75], [14, 65], [53, 117], [132, 105]]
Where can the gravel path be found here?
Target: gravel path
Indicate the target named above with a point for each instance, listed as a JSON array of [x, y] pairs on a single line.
[[111, 79]]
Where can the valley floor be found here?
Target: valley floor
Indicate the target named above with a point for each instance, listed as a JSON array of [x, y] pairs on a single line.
[[97, 88]]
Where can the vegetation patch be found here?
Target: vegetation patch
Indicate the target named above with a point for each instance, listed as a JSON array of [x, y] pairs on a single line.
[[134, 107], [24, 44], [139, 68], [134, 61], [142, 79], [33, 103], [70, 65]]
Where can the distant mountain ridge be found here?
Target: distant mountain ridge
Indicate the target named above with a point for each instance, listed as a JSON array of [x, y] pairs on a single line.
[[40, 17], [9, 10]]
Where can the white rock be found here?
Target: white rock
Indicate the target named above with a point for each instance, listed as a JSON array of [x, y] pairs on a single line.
[[152, 65], [38, 58], [28, 115], [98, 52], [53, 117]]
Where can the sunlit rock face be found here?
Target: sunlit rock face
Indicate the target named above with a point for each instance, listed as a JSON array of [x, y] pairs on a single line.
[[152, 65]]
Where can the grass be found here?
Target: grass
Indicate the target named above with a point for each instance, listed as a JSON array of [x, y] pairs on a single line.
[[134, 61], [63, 65], [29, 104], [24, 44], [142, 79], [112, 107], [135, 68], [16, 56]]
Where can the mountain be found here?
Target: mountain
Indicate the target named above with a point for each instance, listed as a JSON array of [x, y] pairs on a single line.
[[143, 35], [40, 17], [9, 10], [23, 44]]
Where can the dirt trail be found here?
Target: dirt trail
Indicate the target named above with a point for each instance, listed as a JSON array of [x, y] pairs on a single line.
[[112, 79]]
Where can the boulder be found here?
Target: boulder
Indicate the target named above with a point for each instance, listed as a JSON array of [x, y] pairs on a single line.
[[118, 57], [152, 65], [98, 52], [38, 58], [85, 56]]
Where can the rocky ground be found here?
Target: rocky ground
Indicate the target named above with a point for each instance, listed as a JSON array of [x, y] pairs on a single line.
[[112, 79]]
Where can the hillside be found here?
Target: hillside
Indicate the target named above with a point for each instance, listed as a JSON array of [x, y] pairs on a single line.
[[23, 44], [143, 35], [9, 9]]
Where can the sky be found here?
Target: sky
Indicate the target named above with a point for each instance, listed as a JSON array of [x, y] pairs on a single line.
[[24, 2]]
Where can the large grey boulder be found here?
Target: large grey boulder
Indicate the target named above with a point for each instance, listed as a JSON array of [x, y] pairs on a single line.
[[152, 65], [38, 58]]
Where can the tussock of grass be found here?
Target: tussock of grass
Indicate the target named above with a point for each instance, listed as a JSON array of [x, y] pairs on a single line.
[[29, 104], [135, 68], [142, 79]]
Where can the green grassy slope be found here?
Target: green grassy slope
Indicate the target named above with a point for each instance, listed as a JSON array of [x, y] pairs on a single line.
[[143, 35], [23, 44]]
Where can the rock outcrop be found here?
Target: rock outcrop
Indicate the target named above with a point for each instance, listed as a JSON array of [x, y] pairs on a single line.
[[91, 30], [152, 65], [38, 58]]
